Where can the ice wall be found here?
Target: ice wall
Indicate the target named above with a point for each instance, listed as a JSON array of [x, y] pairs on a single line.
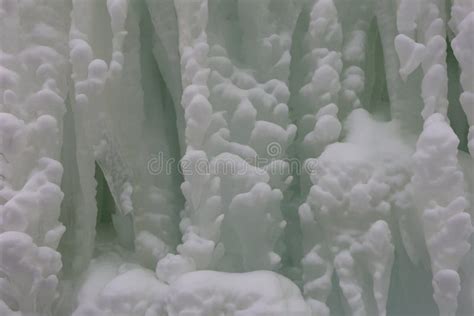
[[236, 157]]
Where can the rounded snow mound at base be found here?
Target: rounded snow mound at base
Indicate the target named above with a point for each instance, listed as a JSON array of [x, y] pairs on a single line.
[[112, 287], [258, 293]]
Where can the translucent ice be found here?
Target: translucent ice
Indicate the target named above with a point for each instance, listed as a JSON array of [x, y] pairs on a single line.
[[236, 157]]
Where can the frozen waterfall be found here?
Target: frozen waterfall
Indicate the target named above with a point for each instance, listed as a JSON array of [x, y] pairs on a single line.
[[236, 157]]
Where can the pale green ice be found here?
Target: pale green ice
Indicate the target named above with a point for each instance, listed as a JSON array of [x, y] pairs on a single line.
[[236, 157]]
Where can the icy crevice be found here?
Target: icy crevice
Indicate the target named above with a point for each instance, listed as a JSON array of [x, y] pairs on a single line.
[[375, 98], [456, 114], [461, 23]]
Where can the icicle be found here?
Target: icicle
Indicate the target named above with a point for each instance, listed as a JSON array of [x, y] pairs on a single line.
[[405, 96], [353, 77], [422, 41]]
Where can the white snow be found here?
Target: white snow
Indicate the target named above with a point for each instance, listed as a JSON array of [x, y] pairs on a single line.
[[236, 157]]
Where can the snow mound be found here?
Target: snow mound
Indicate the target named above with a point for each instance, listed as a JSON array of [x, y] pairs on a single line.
[[259, 293]]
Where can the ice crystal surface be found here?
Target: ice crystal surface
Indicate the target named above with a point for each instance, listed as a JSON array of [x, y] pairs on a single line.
[[236, 157]]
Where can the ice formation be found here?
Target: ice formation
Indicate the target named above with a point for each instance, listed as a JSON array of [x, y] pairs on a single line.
[[236, 157]]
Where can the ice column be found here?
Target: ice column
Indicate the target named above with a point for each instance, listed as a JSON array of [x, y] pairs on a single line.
[[438, 182], [113, 92], [237, 131], [318, 124], [33, 87], [91, 76]]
